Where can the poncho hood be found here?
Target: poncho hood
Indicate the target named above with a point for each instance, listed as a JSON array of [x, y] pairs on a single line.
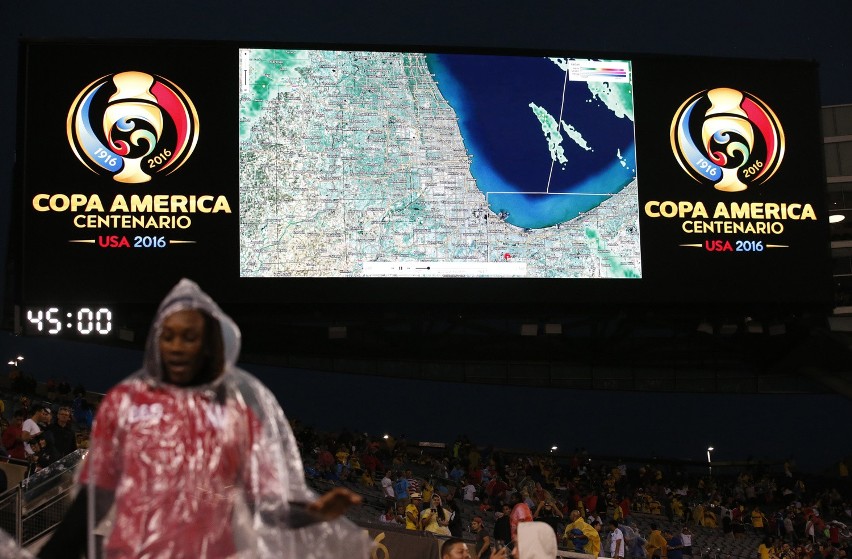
[[187, 295], [536, 540]]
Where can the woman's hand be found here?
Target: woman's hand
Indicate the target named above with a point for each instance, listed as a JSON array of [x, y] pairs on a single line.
[[334, 503]]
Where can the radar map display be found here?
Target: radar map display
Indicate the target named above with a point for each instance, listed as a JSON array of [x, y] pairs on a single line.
[[383, 164]]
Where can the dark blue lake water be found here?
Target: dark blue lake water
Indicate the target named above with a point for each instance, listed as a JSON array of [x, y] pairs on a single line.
[[511, 159]]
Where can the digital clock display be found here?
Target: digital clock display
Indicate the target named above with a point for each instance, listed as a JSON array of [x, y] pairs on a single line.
[[91, 321]]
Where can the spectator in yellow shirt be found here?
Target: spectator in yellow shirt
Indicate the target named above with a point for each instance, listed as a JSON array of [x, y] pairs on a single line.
[[582, 535], [656, 546], [758, 520]]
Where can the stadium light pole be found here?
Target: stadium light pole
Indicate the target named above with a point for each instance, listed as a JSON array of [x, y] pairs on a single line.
[[709, 462]]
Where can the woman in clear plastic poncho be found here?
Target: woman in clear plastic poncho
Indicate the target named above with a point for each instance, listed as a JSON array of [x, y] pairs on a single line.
[[193, 457]]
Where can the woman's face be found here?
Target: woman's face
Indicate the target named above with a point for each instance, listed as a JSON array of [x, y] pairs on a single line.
[[182, 346], [457, 551]]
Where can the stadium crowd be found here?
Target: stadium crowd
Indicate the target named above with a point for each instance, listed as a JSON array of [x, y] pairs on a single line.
[[659, 509], [42, 424], [598, 506]]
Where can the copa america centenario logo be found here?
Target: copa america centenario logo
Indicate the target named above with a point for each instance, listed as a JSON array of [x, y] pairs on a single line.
[[727, 138], [132, 126]]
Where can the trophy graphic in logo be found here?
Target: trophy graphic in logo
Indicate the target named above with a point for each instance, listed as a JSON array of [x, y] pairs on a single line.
[[727, 138], [132, 126]]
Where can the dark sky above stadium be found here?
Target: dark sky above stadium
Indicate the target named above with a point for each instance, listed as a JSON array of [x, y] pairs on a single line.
[[815, 30], [814, 427]]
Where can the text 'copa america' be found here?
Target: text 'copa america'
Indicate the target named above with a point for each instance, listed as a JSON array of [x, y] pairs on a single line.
[[733, 217], [132, 212]]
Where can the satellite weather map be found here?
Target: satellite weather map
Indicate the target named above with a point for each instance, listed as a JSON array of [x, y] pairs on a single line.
[[396, 164]]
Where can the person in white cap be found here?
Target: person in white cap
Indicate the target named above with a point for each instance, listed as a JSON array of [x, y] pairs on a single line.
[[536, 540]]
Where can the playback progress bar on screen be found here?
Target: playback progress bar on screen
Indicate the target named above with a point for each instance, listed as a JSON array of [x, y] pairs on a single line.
[[445, 269]]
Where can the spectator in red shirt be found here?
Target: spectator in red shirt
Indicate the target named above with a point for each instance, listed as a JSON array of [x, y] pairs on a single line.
[[13, 439], [496, 491]]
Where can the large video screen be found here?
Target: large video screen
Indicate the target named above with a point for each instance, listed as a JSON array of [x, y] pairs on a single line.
[[436, 165], [317, 175]]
